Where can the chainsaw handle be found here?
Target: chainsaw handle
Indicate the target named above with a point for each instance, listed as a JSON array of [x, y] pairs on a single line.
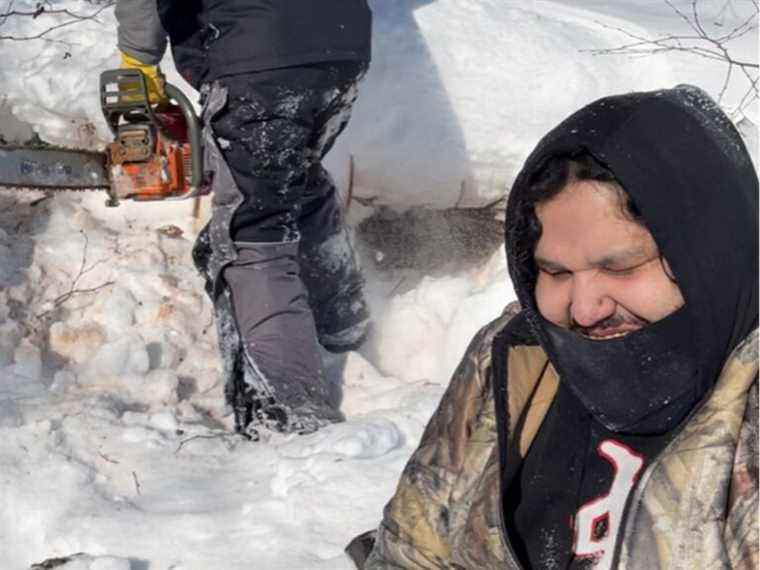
[[194, 137]]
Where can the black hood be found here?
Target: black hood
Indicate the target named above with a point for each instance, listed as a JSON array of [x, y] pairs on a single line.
[[687, 170]]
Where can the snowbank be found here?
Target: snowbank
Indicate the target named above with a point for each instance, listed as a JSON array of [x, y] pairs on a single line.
[[457, 94]]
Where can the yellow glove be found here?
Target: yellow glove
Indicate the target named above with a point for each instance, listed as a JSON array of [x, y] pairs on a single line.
[[153, 78]]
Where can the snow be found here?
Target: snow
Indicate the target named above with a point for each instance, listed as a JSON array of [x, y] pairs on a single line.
[[463, 86], [114, 439]]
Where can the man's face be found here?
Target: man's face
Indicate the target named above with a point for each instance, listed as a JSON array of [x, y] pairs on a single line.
[[600, 273]]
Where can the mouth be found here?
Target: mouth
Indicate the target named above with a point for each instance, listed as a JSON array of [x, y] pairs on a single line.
[[607, 335], [611, 328]]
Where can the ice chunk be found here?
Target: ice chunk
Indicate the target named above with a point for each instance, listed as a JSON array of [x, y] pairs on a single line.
[[78, 344], [118, 309], [358, 371], [28, 361], [366, 439], [13, 129], [22, 292], [160, 387], [373, 439], [124, 356], [164, 421], [62, 381], [10, 334], [10, 416], [6, 354]]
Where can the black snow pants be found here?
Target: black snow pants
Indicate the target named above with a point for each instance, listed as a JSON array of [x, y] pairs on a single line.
[[279, 262]]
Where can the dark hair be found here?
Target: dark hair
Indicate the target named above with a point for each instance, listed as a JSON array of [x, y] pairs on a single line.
[[546, 182], [559, 171]]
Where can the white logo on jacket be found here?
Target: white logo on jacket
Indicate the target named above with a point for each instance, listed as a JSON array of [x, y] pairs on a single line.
[[597, 522]]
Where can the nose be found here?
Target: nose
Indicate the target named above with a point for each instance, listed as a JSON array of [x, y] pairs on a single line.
[[589, 304]]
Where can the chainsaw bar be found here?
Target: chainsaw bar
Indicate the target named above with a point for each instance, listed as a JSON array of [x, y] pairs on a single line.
[[52, 169]]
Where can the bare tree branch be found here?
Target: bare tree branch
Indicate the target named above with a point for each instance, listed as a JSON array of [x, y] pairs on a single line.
[[726, 5], [701, 43], [697, 21], [751, 94], [40, 11], [683, 16], [726, 81], [137, 483], [746, 26]]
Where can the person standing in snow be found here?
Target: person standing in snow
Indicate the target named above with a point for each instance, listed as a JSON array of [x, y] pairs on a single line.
[[612, 420], [277, 82]]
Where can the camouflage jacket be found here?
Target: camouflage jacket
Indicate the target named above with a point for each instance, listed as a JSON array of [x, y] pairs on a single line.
[[694, 507]]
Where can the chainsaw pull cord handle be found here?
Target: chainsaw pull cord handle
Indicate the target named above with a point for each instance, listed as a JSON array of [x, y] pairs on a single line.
[[194, 137]]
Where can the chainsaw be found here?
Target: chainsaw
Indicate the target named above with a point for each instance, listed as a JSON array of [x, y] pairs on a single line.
[[156, 153]]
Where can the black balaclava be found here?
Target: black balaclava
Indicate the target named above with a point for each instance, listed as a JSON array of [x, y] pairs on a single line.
[[688, 172]]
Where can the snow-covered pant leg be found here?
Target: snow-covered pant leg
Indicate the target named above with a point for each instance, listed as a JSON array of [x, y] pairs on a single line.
[[329, 268], [276, 129], [256, 398], [274, 321], [268, 132]]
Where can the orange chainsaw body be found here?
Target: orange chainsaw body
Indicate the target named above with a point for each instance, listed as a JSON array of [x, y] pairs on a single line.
[[147, 164], [156, 153]]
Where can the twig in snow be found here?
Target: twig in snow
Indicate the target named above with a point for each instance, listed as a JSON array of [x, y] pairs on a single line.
[[219, 435], [106, 458], [84, 269], [137, 483]]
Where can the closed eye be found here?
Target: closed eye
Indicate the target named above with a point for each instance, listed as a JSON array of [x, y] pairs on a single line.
[[550, 268], [556, 273], [623, 271], [620, 272]]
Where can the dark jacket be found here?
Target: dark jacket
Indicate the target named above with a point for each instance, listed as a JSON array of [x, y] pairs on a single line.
[[214, 38], [686, 168], [695, 506]]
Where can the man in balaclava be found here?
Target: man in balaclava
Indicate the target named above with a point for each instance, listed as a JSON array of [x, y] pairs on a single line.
[[610, 421]]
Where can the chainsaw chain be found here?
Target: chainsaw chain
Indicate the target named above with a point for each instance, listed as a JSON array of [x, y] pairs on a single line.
[[4, 187], [39, 144]]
